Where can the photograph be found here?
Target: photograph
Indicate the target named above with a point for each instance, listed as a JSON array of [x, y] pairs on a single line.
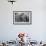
[[22, 17]]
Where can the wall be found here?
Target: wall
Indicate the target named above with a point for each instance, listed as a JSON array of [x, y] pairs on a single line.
[[9, 31]]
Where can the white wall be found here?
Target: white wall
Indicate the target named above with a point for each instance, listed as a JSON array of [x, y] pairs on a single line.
[[9, 31]]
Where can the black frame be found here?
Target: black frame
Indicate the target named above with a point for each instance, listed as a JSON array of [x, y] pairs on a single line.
[[19, 23]]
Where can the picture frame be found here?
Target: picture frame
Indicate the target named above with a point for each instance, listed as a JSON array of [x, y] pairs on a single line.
[[22, 17]]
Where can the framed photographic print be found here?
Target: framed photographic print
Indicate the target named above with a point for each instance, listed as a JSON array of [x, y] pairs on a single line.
[[22, 17]]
